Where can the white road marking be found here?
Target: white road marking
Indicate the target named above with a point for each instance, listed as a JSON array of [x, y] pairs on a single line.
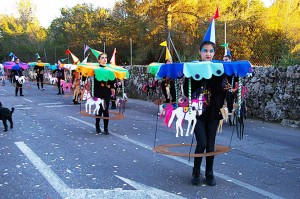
[[27, 100], [65, 191], [24, 108], [220, 175], [41, 104], [57, 106]]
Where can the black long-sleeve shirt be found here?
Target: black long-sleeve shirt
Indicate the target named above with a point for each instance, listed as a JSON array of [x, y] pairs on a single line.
[[102, 89], [214, 92]]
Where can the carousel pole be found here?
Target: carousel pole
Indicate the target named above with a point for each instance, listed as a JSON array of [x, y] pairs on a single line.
[[130, 51], [225, 38]]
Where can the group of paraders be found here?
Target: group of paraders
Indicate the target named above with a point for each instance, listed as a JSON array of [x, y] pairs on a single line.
[[212, 88]]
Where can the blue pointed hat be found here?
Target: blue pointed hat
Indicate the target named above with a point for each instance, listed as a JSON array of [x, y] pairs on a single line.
[[227, 52], [210, 34], [37, 56]]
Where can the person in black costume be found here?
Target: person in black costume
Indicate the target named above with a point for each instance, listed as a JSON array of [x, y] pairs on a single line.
[[168, 87], [17, 71], [207, 123], [232, 91], [40, 74], [60, 75], [103, 90]]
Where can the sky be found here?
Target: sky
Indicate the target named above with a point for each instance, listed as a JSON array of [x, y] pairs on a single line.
[[47, 10]]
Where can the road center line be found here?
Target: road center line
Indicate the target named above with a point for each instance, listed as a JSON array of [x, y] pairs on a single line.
[[61, 188], [220, 175]]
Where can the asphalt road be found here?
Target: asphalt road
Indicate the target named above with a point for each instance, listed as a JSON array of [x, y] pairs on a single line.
[[54, 152]]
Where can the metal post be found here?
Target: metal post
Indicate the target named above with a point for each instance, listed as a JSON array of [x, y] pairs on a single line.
[[104, 46], [225, 38], [130, 51]]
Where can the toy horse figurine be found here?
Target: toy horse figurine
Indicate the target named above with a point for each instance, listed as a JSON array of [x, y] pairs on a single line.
[[121, 103], [186, 113], [76, 89], [20, 79], [90, 101], [65, 85], [52, 79]]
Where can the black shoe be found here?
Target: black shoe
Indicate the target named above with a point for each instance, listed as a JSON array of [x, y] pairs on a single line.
[[98, 130], [16, 94], [75, 102], [58, 93], [43, 89], [106, 132], [21, 95], [210, 180], [196, 177]]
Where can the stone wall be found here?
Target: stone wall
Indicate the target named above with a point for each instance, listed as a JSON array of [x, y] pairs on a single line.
[[274, 92]]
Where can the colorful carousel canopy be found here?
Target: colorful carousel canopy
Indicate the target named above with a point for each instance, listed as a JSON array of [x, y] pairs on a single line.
[[198, 70], [154, 67], [10, 64], [110, 72], [68, 66], [41, 64], [236, 68]]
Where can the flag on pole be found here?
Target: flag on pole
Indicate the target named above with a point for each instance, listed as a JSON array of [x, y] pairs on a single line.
[[10, 54], [224, 45], [86, 47], [216, 15], [163, 43], [67, 52], [113, 58]]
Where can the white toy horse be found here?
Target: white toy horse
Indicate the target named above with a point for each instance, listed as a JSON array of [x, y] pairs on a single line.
[[52, 79], [20, 79], [187, 113], [90, 102]]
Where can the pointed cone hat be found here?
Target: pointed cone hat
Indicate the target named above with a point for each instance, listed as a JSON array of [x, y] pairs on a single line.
[[210, 34], [227, 53]]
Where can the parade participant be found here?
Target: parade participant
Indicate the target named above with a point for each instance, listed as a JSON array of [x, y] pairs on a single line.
[[207, 123], [17, 71], [103, 90], [40, 73], [60, 75], [231, 94], [2, 74], [168, 87]]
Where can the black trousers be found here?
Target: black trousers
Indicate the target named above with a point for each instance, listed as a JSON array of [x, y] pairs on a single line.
[[60, 90], [18, 86], [205, 132], [40, 79], [103, 113]]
